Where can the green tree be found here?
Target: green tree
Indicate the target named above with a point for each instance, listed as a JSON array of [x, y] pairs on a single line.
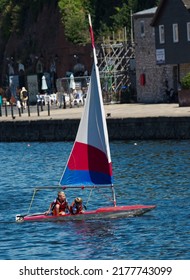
[[14, 13], [112, 15], [138, 5], [107, 15], [74, 17]]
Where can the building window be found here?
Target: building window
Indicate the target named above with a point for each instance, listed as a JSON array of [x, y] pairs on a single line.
[[188, 31], [161, 34], [175, 33], [142, 28]]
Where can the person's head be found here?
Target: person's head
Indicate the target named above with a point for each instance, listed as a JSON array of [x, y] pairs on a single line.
[[78, 200], [61, 196], [24, 89]]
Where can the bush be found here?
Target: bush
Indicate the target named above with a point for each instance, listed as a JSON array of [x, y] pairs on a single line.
[[185, 82]]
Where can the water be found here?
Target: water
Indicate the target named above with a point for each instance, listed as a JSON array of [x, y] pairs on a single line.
[[146, 172]]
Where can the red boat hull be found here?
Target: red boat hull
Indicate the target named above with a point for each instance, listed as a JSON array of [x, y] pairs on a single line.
[[100, 213]]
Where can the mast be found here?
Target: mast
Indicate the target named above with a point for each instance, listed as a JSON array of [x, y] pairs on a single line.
[[100, 91], [92, 39]]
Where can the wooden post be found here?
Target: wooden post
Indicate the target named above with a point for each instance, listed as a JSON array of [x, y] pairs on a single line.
[[41, 103], [19, 107], [19, 112], [64, 102], [48, 108], [0, 106], [38, 111], [28, 107], [12, 113], [6, 113]]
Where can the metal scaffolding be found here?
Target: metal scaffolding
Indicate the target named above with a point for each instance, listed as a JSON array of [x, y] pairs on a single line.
[[115, 57]]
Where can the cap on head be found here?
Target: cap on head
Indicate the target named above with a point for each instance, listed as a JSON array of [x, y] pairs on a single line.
[[78, 200]]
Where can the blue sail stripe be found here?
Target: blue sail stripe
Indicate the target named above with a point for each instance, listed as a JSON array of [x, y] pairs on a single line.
[[86, 178]]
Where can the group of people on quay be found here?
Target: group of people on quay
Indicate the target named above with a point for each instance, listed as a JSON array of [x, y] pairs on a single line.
[[20, 99], [60, 206], [29, 73], [33, 65], [70, 92]]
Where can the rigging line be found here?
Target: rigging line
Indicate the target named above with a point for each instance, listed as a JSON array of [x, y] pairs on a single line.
[[35, 191], [103, 194], [86, 204], [30, 206]]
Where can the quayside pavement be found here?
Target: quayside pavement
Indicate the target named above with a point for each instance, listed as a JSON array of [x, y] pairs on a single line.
[[112, 111]]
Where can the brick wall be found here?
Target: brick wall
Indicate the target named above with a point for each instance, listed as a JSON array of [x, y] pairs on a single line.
[[44, 37]]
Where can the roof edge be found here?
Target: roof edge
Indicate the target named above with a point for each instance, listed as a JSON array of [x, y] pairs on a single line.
[[162, 2], [145, 13], [157, 12]]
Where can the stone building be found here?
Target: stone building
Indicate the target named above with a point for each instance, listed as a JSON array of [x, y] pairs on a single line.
[[152, 80]]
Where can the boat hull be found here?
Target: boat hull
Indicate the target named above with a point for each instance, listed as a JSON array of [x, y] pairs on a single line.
[[100, 213]]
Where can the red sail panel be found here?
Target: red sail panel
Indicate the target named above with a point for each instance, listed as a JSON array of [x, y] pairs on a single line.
[[90, 158]]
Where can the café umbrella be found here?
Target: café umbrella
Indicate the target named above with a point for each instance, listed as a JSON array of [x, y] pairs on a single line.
[[44, 83], [72, 82]]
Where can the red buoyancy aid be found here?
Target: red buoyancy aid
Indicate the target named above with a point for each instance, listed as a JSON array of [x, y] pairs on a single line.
[[76, 208], [62, 205]]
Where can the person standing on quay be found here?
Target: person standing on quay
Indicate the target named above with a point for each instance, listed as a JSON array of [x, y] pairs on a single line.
[[24, 97]]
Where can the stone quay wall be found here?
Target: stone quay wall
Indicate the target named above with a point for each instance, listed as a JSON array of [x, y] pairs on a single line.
[[147, 128]]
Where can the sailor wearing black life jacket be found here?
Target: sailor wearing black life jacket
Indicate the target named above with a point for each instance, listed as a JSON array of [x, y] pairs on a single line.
[[77, 206], [59, 206]]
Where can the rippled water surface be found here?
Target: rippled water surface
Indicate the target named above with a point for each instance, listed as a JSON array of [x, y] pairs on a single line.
[[151, 172]]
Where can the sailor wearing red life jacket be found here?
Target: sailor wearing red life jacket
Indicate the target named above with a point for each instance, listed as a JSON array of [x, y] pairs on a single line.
[[59, 205], [77, 206]]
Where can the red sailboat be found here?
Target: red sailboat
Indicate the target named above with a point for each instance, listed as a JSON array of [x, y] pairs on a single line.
[[89, 164]]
